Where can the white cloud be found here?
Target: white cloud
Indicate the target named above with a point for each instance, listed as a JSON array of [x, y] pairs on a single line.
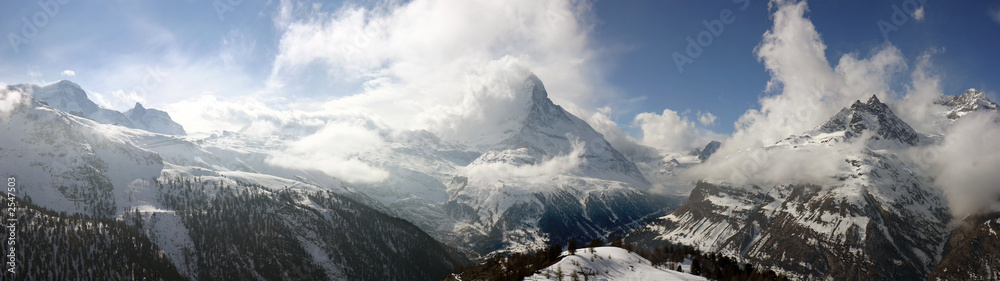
[[669, 132], [618, 138], [917, 108], [778, 165], [68, 73], [438, 64], [544, 171], [995, 15], [334, 151], [965, 164], [210, 112], [706, 118], [9, 100], [809, 91], [128, 97], [918, 14]]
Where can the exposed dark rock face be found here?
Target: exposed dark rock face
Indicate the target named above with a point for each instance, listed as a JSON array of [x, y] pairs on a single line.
[[973, 250]]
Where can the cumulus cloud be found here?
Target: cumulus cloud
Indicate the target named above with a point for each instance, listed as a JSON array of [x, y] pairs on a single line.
[[68, 73], [667, 132], [918, 14], [706, 118], [917, 108], [422, 64], [671, 132], [806, 89], [618, 138], [964, 165]]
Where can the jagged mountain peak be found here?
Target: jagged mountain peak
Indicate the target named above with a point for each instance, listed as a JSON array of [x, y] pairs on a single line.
[[548, 130], [873, 116], [536, 88], [136, 112]]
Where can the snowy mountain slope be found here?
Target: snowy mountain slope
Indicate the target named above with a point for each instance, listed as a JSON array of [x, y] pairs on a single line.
[[207, 219], [875, 219], [608, 263], [84, 167], [970, 100], [70, 97]]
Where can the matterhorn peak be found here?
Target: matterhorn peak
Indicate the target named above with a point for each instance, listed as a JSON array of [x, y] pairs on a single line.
[[534, 85]]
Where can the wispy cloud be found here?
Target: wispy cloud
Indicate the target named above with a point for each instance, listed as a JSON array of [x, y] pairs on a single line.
[[68, 73], [995, 15]]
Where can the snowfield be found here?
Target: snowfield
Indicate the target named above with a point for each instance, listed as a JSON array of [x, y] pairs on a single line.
[[608, 263]]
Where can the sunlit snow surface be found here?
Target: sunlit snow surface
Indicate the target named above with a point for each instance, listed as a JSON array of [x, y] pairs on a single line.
[[608, 263]]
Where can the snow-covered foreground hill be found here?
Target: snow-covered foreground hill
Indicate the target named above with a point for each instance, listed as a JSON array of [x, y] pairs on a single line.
[[608, 263]]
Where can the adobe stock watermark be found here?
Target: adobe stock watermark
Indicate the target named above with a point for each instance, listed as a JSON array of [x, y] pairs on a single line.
[[153, 78], [363, 36], [10, 227], [901, 16], [222, 7], [714, 28], [30, 28]]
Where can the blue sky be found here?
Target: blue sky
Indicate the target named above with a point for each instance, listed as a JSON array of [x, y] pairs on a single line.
[[164, 52]]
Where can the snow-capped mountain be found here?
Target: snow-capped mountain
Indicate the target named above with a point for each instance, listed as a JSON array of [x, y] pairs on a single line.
[[550, 178], [71, 98], [209, 210], [548, 131], [875, 219], [874, 117], [970, 100]]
